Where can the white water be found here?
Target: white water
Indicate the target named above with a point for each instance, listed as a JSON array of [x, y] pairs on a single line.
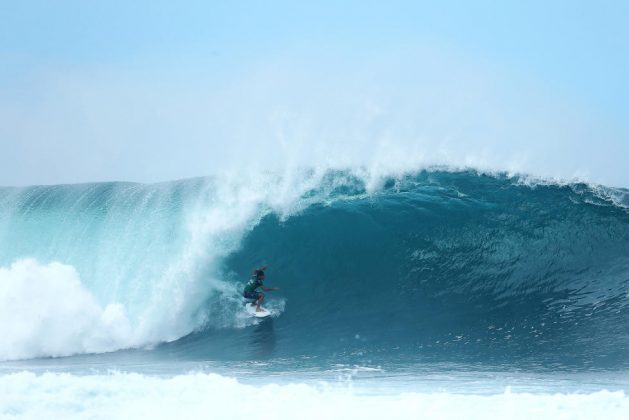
[[46, 311], [200, 395]]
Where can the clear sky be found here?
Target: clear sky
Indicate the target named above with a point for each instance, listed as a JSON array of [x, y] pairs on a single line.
[[156, 90]]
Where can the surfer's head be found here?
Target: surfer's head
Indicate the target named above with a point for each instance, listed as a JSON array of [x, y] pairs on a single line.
[[259, 274]]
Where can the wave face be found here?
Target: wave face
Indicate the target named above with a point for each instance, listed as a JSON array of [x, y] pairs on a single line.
[[437, 265]]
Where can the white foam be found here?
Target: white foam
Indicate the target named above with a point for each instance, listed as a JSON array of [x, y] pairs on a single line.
[[199, 395], [46, 311]]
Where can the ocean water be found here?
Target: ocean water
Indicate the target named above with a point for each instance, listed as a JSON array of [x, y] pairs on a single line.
[[435, 293]]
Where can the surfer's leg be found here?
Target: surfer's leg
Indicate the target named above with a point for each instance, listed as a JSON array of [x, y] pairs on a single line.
[[252, 296], [260, 299]]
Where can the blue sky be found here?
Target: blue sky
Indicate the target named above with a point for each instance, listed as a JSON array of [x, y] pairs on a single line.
[[90, 89]]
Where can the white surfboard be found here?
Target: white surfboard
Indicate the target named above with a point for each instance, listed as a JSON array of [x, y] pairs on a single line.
[[251, 310]]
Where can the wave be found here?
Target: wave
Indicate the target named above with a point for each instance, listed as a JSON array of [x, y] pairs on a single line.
[[434, 264]]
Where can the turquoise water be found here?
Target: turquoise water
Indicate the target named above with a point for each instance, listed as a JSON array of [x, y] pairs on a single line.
[[436, 281]]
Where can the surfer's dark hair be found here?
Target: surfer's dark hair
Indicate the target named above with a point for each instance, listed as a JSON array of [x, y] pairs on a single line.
[[259, 273]]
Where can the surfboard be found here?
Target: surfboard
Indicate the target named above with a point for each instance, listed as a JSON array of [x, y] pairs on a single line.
[[251, 310]]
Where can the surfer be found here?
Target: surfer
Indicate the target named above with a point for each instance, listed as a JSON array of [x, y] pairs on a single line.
[[255, 282]]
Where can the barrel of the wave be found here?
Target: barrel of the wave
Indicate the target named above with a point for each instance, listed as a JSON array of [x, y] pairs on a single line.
[[452, 266]]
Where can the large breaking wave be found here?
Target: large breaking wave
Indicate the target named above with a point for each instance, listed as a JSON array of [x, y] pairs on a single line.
[[430, 265]]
